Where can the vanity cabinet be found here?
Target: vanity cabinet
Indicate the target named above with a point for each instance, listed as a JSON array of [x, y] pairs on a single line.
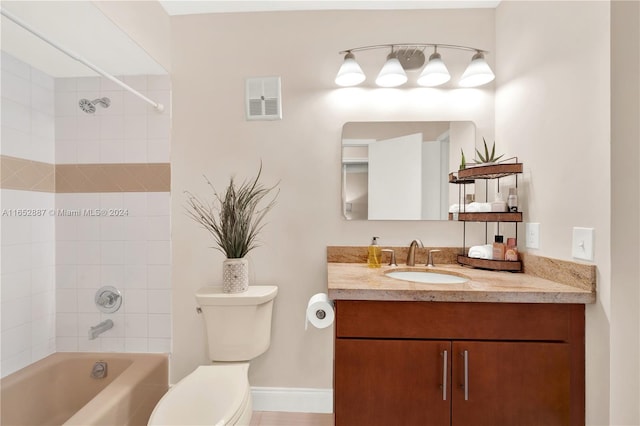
[[441, 363]]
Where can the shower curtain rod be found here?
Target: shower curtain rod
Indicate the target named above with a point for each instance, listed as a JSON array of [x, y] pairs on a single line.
[[158, 106]]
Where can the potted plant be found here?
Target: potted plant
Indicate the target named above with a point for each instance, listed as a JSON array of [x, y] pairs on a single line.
[[234, 219]]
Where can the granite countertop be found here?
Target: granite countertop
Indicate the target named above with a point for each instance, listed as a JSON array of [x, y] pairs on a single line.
[[356, 281]]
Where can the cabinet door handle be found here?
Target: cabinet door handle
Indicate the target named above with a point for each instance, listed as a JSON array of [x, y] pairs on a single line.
[[466, 375], [444, 375]]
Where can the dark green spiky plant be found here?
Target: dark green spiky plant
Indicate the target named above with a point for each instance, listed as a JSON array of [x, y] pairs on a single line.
[[488, 157], [235, 218]]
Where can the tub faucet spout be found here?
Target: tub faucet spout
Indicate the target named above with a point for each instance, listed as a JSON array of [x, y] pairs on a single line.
[[411, 256], [100, 328]]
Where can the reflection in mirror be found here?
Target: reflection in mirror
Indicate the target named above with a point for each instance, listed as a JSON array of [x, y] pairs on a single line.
[[399, 170]]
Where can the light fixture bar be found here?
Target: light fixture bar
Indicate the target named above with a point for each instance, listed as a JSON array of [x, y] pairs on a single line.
[[410, 56], [422, 46]]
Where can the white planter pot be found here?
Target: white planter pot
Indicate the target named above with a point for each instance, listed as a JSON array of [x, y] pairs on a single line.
[[235, 275]]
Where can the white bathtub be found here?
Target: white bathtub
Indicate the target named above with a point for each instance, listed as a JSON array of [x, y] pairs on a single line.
[[58, 390]]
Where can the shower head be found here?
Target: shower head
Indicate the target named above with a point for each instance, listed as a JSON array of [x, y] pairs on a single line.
[[90, 106]]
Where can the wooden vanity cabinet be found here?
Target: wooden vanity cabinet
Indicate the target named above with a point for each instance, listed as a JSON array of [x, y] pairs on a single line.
[[437, 363]]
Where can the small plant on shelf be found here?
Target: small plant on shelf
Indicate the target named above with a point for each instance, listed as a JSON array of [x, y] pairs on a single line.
[[488, 157]]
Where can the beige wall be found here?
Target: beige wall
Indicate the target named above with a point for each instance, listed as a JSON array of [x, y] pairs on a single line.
[[211, 57], [580, 138], [625, 213]]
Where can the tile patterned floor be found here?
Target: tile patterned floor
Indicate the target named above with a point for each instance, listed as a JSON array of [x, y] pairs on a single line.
[[272, 418]]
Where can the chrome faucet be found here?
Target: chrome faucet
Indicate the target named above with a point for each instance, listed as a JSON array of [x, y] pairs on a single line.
[[430, 258], [100, 328], [411, 256]]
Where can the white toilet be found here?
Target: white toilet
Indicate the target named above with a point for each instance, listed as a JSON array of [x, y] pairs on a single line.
[[238, 329]]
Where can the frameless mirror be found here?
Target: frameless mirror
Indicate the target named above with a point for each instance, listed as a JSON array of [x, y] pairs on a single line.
[[398, 170]]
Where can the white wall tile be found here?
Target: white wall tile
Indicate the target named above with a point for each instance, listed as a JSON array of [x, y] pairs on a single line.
[[135, 228], [135, 203], [135, 253], [160, 345], [160, 325], [10, 63], [136, 325], [158, 228], [66, 344], [42, 100], [135, 276], [112, 275], [16, 313], [66, 127], [15, 285], [136, 344], [16, 89], [66, 325], [66, 84], [159, 301], [112, 253], [16, 116], [158, 252], [89, 252], [135, 126], [88, 276], [88, 84], [111, 127], [158, 82], [66, 300], [159, 276], [42, 79], [158, 126], [158, 203], [112, 344], [86, 300], [135, 301]]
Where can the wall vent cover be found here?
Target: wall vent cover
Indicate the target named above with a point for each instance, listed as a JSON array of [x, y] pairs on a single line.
[[263, 98]]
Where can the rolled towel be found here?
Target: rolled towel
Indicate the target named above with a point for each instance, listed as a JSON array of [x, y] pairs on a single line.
[[476, 207], [481, 252]]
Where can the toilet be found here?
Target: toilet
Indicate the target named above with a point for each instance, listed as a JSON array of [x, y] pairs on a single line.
[[238, 328]]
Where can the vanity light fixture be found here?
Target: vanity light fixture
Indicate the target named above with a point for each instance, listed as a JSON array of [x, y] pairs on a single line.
[[392, 74], [350, 73], [409, 56]]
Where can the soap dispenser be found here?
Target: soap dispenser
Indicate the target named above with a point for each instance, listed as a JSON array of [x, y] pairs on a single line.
[[375, 254]]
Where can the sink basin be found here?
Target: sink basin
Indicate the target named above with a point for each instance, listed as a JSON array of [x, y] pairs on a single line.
[[427, 277]]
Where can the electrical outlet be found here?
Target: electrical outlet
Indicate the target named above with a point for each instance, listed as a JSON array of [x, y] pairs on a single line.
[[532, 235], [582, 243]]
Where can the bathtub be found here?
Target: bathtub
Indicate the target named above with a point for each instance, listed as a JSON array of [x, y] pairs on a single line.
[[59, 390]]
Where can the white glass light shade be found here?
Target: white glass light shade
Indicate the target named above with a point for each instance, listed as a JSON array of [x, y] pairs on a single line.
[[435, 73], [350, 73], [392, 74], [477, 73]]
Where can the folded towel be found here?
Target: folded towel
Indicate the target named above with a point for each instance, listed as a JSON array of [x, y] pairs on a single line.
[[455, 208], [477, 207], [481, 252]]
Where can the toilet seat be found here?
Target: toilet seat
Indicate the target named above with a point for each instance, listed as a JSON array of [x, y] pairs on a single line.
[[211, 395]]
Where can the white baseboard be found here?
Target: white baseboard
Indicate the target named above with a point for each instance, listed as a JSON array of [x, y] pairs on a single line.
[[293, 400]]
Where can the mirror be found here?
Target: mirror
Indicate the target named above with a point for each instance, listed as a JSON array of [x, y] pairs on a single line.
[[399, 170]]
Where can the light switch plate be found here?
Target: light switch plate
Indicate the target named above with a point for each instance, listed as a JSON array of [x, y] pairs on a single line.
[[532, 236], [582, 243]]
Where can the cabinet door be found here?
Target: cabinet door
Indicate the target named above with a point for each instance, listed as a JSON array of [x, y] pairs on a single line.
[[392, 382], [511, 383]]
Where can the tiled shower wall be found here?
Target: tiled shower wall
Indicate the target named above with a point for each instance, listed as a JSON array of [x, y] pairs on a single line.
[[104, 235], [27, 331]]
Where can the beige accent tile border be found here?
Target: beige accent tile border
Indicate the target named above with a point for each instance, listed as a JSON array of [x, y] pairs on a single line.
[[113, 177], [26, 175], [579, 275]]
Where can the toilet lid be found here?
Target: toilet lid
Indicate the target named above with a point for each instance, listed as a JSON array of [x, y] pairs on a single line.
[[211, 395]]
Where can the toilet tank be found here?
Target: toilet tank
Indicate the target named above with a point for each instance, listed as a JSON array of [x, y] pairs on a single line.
[[238, 325]]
